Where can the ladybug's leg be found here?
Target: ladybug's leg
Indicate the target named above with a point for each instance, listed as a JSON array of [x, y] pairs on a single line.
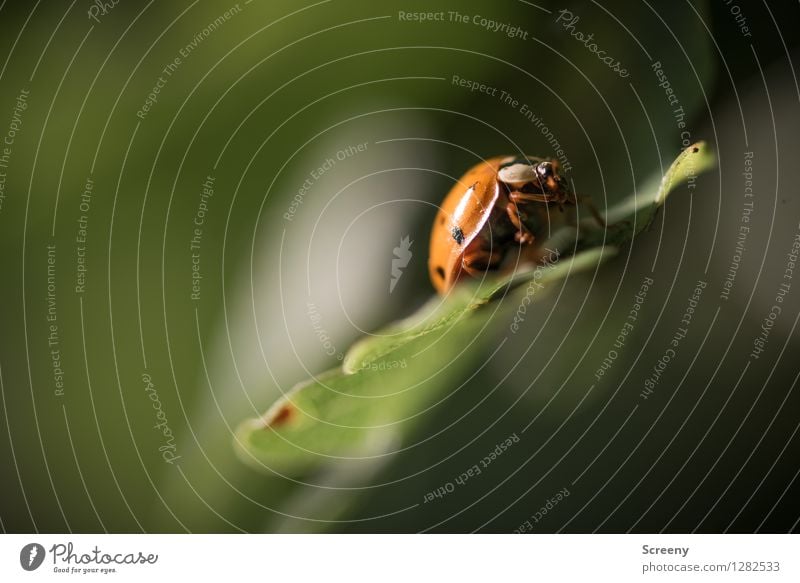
[[523, 235], [522, 197], [478, 260], [593, 210]]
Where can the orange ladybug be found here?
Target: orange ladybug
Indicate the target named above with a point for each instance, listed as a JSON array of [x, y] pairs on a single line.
[[502, 204]]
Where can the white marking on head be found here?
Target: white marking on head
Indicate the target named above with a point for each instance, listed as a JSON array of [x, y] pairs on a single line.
[[517, 174]]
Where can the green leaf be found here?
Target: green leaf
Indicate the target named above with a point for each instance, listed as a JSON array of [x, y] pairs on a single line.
[[390, 380], [393, 379], [633, 215]]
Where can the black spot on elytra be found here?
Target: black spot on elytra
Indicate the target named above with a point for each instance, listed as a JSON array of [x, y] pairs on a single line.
[[695, 150], [458, 234], [441, 220], [440, 272]]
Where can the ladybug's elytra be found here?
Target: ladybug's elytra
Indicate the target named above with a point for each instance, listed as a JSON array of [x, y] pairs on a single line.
[[500, 204]]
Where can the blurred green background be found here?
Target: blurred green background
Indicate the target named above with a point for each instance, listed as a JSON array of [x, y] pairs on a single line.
[[188, 278]]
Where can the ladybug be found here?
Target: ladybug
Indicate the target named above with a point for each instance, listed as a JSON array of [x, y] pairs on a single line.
[[502, 204]]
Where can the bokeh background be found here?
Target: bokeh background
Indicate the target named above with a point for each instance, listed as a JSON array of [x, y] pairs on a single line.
[[115, 299]]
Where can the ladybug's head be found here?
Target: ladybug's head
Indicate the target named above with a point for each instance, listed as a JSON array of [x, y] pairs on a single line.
[[549, 178], [535, 176]]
